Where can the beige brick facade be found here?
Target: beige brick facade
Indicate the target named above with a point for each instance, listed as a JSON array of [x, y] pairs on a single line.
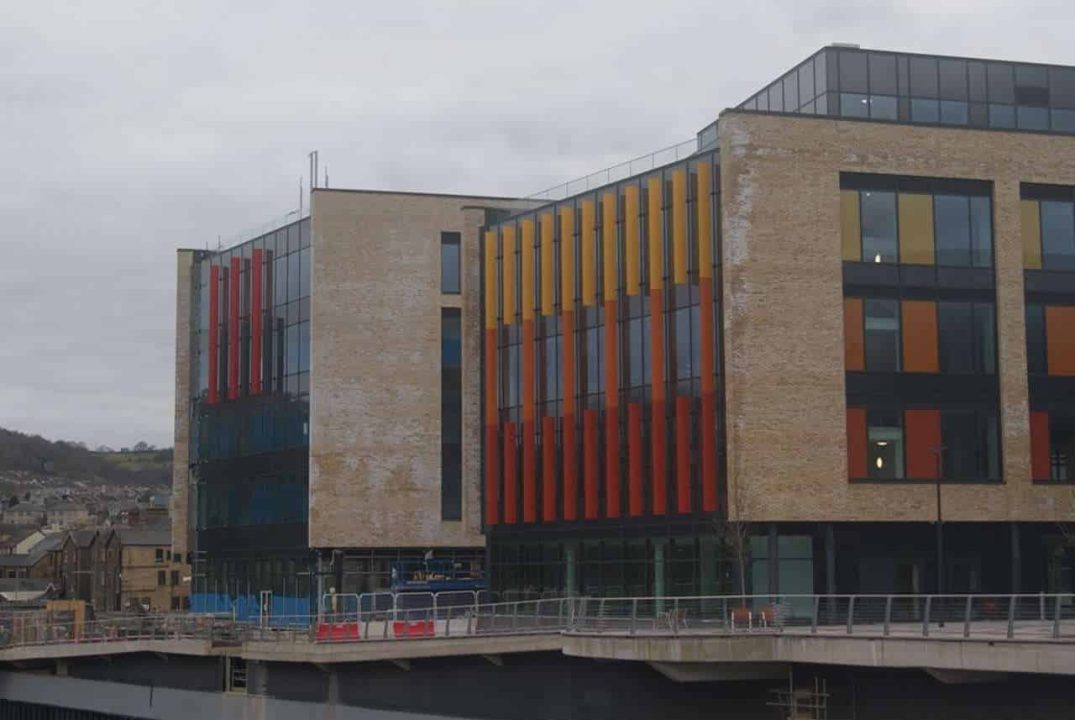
[[783, 316], [375, 445], [181, 456]]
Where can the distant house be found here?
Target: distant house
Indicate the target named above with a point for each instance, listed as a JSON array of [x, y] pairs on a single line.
[[29, 591], [152, 579], [24, 514], [41, 561], [76, 565], [66, 515], [18, 539]]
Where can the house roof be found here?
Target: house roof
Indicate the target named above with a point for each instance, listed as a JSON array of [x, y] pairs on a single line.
[[83, 538], [146, 537], [15, 534]]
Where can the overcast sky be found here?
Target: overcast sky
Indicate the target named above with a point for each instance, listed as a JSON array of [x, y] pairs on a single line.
[[130, 129]]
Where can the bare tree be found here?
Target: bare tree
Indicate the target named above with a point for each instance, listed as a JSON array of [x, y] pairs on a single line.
[[733, 531]]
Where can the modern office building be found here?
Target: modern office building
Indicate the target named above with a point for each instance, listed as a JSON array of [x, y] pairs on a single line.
[[771, 366], [849, 316], [327, 419]]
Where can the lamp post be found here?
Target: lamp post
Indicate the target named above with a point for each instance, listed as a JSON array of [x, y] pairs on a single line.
[[939, 453]]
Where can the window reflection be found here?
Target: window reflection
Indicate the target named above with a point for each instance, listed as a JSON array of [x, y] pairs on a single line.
[[879, 239], [885, 441]]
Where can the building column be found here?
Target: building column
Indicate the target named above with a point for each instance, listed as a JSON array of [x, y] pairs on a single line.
[[571, 570], [1017, 560], [658, 571], [708, 557], [774, 561], [830, 559]]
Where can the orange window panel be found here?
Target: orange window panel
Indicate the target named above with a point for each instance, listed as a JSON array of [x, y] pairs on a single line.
[[1060, 339], [922, 429], [854, 341], [632, 239], [856, 443], [1041, 468], [919, 322]]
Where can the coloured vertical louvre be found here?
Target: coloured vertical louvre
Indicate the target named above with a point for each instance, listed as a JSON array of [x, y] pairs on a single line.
[[588, 267], [1030, 222], [507, 264], [511, 481], [589, 461], [683, 454], [1060, 339], [658, 431], [548, 469], [610, 286], [856, 443], [569, 440], [916, 229], [528, 300], [634, 459], [850, 226], [679, 226], [548, 277], [233, 330], [214, 334], [707, 323], [1040, 450], [632, 243], [492, 450], [922, 430], [256, 292], [919, 323], [854, 339]]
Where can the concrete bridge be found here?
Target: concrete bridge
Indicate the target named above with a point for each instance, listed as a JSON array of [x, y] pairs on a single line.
[[956, 639]]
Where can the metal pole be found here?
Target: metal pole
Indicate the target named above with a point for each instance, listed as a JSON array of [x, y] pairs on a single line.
[[1056, 618], [939, 453], [1011, 616], [888, 614], [850, 614]]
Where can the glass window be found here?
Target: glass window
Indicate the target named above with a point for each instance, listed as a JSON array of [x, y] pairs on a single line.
[[304, 346], [883, 107], [981, 232], [292, 359], [1062, 446], [304, 272], [1035, 339], [806, 82], [953, 79], [967, 337], [956, 334], [1001, 84], [820, 78], [879, 238], [976, 84], [451, 414], [951, 217], [923, 77], [683, 343], [854, 105], [1001, 116], [1032, 118], [882, 335], [882, 74], [853, 73], [1062, 87], [925, 111], [1063, 120], [776, 97], [1057, 235], [449, 263], [885, 441], [791, 91], [294, 276], [970, 445], [953, 112]]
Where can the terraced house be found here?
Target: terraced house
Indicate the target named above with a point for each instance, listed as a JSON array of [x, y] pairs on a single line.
[[844, 316]]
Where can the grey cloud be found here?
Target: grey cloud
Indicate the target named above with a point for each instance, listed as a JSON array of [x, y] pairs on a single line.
[[129, 129]]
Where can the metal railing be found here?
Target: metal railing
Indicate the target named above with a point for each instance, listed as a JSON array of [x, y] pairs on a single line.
[[621, 171], [523, 617], [1042, 617], [984, 617]]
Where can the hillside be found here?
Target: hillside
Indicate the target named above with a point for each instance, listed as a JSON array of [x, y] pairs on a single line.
[[33, 455]]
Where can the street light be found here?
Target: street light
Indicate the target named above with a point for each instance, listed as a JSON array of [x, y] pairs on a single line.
[[939, 453]]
